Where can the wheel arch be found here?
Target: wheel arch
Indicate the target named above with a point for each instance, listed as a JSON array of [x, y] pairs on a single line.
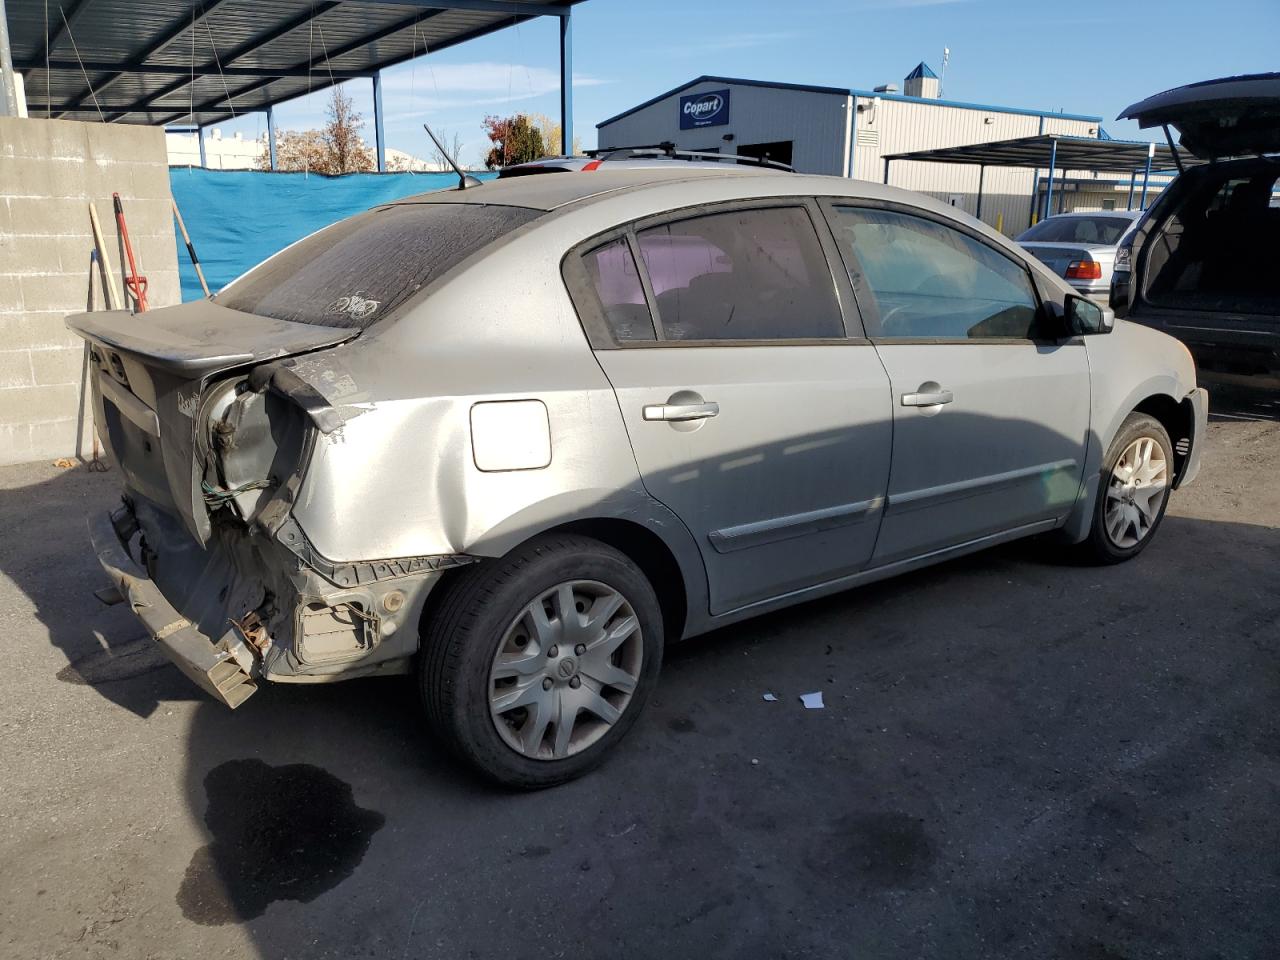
[[637, 526], [1154, 399], [651, 554], [1178, 419]]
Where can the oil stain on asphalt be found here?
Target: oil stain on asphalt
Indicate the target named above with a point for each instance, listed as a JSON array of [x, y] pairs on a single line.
[[279, 833], [885, 850]]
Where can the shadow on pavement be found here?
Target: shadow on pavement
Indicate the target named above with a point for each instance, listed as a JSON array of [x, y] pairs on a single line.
[[46, 552], [1234, 401], [1015, 755]]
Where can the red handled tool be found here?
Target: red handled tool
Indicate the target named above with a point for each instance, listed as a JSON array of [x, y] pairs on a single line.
[[134, 282]]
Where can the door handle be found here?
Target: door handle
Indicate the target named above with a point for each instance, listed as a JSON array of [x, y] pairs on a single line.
[[681, 412], [930, 398]]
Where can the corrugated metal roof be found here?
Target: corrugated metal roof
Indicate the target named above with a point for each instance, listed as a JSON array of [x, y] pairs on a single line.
[[1073, 153], [203, 61]]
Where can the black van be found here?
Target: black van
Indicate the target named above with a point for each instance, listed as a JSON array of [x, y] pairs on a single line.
[[1204, 263]]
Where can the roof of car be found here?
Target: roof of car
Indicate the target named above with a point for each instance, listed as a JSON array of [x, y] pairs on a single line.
[[550, 191]]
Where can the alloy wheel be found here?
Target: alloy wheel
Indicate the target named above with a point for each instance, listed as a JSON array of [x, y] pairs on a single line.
[[1135, 493]]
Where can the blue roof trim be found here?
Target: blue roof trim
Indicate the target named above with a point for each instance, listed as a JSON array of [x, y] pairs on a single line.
[[736, 81], [840, 92], [922, 72], [989, 108]]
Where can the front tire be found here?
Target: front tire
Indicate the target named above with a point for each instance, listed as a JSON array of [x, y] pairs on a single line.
[[1133, 491], [533, 666]]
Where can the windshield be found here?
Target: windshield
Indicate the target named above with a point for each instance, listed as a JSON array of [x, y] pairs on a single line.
[[360, 269], [1105, 231]]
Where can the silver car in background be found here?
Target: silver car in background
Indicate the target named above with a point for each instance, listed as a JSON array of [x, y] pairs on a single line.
[[1081, 247], [512, 439]]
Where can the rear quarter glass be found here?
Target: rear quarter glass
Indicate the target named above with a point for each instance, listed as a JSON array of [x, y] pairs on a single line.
[[359, 270]]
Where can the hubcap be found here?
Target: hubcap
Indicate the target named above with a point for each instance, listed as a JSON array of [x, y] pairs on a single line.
[[565, 671], [1139, 483]]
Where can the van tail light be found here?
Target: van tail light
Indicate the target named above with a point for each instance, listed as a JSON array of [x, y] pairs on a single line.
[[1084, 270]]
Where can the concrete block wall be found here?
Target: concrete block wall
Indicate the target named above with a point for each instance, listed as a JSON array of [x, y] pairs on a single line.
[[50, 170]]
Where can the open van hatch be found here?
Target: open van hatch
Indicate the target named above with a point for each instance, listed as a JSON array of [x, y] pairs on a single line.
[[1230, 117]]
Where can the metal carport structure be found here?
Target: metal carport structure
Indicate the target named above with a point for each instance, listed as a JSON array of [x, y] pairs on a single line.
[[203, 61], [1054, 151]]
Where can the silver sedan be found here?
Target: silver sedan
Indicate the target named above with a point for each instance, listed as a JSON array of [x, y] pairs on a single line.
[[1081, 247], [515, 438]]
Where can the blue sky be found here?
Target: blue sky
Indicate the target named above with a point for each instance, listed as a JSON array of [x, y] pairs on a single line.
[[1082, 57]]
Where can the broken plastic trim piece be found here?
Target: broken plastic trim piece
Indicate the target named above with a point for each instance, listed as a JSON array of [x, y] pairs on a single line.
[[282, 380], [361, 572]]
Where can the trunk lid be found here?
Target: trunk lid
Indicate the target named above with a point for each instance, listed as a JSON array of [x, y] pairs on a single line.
[[1058, 256], [1229, 117], [149, 373]]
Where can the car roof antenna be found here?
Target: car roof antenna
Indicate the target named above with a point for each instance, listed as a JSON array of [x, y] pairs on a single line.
[[464, 179]]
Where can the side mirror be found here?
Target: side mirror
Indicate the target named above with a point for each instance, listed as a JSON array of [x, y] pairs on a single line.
[[1085, 318]]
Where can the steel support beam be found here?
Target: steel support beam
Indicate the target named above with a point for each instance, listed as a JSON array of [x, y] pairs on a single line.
[[508, 8], [58, 28], [1048, 194], [886, 171], [982, 173], [204, 161], [184, 70], [8, 86], [271, 136], [238, 53], [211, 105], [566, 84], [527, 12], [1133, 183], [163, 43], [379, 135]]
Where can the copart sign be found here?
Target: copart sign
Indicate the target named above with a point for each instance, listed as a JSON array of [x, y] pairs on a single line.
[[704, 110]]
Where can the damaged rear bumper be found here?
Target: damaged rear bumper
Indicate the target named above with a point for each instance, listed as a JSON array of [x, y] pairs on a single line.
[[211, 666]]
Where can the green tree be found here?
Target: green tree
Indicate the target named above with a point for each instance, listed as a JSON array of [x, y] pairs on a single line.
[[515, 139]]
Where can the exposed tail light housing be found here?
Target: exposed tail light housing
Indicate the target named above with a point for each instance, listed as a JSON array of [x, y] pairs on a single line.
[[1084, 270]]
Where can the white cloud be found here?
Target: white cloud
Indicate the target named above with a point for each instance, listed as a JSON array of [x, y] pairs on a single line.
[[493, 78]]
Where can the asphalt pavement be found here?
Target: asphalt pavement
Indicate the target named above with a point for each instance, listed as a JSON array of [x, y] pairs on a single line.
[[1017, 757]]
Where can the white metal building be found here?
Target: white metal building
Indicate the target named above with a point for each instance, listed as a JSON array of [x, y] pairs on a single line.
[[847, 133]]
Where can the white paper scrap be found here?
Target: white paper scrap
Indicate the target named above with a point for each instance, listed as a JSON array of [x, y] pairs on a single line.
[[812, 701], [771, 698]]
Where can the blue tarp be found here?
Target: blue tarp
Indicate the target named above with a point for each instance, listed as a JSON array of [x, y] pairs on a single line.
[[238, 218]]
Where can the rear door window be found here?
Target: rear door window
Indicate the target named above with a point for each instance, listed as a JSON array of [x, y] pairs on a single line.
[[359, 270], [612, 271], [753, 274]]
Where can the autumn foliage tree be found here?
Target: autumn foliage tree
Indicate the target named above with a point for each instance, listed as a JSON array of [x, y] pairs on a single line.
[[337, 148], [515, 139]]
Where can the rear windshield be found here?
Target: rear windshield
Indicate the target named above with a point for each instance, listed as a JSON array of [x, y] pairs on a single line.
[[1106, 231], [357, 271]]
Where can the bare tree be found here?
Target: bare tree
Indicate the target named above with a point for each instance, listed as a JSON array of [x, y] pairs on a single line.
[[342, 136], [440, 160], [337, 148]]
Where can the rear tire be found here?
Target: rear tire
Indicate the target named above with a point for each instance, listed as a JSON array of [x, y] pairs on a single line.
[[535, 665], [1133, 491]]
